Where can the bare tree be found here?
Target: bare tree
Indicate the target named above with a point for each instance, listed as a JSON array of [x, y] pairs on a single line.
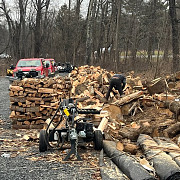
[[39, 28], [175, 35], [22, 7], [14, 30], [89, 33], [117, 39], [77, 30]]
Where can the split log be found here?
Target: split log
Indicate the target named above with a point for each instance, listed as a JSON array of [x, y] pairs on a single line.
[[80, 88], [131, 148], [33, 99], [99, 93], [17, 108], [127, 164], [103, 124], [32, 109], [17, 99], [46, 90], [164, 97], [165, 167], [16, 88], [133, 133], [130, 133]]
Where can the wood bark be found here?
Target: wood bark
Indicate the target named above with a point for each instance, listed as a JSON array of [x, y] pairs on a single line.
[[128, 98], [117, 38], [165, 167], [173, 106], [134, 170], [175, 35], [89, 33]]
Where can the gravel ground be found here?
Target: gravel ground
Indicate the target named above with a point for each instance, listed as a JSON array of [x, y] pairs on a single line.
[[30, 164], [4, 101]]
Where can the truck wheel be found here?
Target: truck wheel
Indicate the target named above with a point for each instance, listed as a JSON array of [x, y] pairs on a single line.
[[98, 140], [42, 141]]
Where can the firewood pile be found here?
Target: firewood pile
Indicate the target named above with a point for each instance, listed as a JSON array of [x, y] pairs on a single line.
[[33, 100], [155, 111], [151, 135], [92, 82]]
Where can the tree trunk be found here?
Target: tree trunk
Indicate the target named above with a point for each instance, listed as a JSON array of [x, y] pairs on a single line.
[[89, 33], [151, 38], [167, 39], [37, 31], [175, 35], [117, 39], [22, 6]]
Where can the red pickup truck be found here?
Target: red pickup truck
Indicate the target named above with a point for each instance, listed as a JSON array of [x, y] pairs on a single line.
[[52, 65], [31, 67]]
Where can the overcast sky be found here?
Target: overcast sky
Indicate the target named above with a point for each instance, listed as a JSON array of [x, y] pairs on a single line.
[[84, 6], [57, 4]]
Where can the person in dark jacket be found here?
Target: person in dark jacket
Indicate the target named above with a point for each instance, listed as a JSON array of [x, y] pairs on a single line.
[[118, 81]]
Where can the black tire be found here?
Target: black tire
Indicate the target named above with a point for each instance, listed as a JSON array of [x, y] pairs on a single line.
[[98, 140], [42, 141]]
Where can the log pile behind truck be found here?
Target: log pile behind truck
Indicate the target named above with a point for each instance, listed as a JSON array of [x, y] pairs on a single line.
[[33, 100]]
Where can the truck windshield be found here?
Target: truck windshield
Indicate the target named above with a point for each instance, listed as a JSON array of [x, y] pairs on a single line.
[[29, 63]]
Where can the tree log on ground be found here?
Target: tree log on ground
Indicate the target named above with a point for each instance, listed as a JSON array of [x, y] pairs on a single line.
[[165, 167], [172, 130], [168, 146], [173, 106], [128, 98], [127, 164]]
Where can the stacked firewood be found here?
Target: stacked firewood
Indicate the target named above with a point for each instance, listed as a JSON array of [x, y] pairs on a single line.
[[34, 100]]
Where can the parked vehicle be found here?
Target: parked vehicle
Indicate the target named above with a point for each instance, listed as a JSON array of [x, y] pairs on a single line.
[[52, 65], [32, 67], [65, 67], [9, 71]]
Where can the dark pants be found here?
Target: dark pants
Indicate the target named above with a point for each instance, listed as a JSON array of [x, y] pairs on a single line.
[[117, 85]]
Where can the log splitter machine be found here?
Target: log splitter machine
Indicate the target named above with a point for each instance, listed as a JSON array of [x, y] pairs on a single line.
[[75, 131]]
